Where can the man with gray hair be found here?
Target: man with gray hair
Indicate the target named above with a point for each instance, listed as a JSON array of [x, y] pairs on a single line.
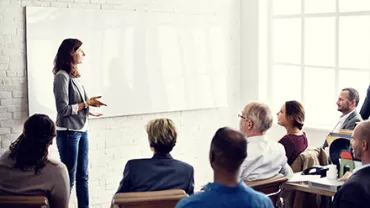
[[266, 158]]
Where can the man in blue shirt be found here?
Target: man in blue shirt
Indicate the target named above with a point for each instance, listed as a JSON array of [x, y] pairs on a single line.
[[228, 151]]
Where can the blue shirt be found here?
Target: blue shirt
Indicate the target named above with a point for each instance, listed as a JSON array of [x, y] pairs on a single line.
[[218, 195]]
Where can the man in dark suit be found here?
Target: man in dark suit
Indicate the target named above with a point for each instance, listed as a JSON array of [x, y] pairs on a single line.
[[356, 190], [161, 172], [347, 102], [365, 110]]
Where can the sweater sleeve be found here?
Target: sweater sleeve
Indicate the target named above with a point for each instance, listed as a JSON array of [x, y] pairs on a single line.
[[59, 194]]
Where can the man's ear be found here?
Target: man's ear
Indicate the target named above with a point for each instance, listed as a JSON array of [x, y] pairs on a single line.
[[365, 145], [250, 124], [353, 102]]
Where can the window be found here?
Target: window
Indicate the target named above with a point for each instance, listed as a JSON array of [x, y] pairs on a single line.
[[314, 49]]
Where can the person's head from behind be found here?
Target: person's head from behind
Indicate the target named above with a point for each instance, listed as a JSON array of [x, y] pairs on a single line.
[[255, 119], [361, 141], [348, 100], [291, 115], [30, 150], [162, 135], [69, 55], [228, 151]]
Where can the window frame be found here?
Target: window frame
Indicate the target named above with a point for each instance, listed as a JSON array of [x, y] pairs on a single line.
[[336, 67]]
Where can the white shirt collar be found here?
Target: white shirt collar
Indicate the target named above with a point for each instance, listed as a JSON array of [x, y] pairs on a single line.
[[255, 138], [360, 168], [344, 117]]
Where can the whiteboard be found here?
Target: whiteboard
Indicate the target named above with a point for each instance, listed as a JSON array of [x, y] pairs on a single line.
[[139, 62]]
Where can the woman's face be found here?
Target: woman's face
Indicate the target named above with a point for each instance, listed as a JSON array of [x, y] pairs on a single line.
[[79, 55], [282, 118]]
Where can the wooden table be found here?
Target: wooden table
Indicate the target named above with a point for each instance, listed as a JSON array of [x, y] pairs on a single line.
[[303, 186], [299, 198]]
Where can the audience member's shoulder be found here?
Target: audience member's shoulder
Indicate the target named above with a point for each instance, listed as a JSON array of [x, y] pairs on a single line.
[[359, 177], [365, 171], [192, 201], [351, 187], [184, 164], [280, 147], [286, 139], [259, 199], [136, 162], [5, 155], [56, 169], [55, 164]]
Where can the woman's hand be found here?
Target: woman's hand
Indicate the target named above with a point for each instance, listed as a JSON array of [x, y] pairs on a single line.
[[94, 102]]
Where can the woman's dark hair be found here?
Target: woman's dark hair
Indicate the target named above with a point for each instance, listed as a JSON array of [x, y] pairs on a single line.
[[64, 59], [30, 150], [296, 110]]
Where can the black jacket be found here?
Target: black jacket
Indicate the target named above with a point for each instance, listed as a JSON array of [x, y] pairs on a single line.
[[365, 109], [161, 172], [355, 193]]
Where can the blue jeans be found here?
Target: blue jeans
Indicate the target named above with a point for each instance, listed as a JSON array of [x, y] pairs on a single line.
[[73, 149]]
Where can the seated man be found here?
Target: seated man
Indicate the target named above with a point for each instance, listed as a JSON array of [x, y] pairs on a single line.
[[161, 172], [347, 102], [228, 150], [266, 158], [356, 190]]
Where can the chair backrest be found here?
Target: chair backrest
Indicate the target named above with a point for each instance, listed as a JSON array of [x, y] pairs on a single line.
[[152, 199], [24, 202], [271, 187]]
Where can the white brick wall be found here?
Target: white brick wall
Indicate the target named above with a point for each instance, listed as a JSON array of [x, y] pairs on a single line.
[[113, 141]]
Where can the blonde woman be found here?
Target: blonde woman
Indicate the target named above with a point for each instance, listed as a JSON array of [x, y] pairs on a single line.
[[161, 172]]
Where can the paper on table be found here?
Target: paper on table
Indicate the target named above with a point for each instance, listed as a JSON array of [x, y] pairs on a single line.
[[302, 178]]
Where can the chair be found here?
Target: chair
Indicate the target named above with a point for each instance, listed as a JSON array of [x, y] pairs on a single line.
[[152, 199], [24, 202], [271, 187], [309, 158]]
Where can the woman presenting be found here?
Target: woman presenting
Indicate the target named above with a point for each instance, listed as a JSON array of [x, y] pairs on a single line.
[[72, 106]]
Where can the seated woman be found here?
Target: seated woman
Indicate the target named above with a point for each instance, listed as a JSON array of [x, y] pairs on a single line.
[[161, 172], [25, 168], [291, 116]]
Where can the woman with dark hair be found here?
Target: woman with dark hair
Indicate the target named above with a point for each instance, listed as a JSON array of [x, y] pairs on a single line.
[[291, 117], [72, 105], [25, 168]]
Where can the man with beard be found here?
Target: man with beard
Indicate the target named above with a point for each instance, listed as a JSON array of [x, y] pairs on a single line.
[[347, 102]]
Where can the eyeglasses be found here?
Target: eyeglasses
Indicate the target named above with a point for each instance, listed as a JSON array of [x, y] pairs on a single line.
[[241, 116]]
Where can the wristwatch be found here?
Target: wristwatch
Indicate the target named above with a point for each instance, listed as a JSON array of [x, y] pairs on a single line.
[[86, 105]]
